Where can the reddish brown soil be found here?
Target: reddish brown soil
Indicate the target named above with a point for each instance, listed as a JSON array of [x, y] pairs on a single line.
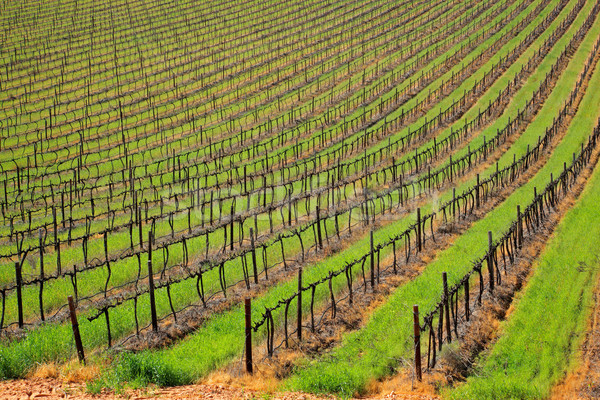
[[52, 388]]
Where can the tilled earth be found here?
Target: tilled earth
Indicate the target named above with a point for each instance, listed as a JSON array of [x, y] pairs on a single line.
[[47, 388]]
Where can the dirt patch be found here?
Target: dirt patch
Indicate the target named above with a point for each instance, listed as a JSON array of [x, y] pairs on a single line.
[[47, 388]]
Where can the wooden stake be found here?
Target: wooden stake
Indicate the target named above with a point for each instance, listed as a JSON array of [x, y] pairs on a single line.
[[255, 269], [319, 228], [151, 285], [299, 304], [446, 306], [248, 319], [108, 334], [417, 337], [372, 260], [477, 193], [467, 310], [41, 299], [19, 295], [75, 326], [419, 229], [520, 226], [490, 262]]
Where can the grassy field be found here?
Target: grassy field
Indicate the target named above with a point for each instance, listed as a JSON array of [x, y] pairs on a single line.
[[229, 145], [526, 361]]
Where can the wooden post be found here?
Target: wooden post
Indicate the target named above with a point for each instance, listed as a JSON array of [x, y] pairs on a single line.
[[54, 224], [564, 182], [19, 295], [490, 262], [151, 285], [372, 262], [419, 229], [107, 262], [255, 270], [211, 207], [454, 204], [231, 230], [108, 334], [152, 299], [75, 326], [248, 311], [319, 228], [446, 306], [42, 277], [299, 304], [467, 310], [58, 259], [520, 226], [477, 193], [551, 190], [417, 330], [140, 231]]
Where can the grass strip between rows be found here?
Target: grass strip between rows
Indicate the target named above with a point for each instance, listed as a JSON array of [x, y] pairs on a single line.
[[23, 354], [527, 361], [372, 352]]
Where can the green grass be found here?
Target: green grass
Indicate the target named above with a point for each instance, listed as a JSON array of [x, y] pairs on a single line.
[[231, 83], [184, 292], [217, 341], [372, 352], [139, 156], [228, 328], [93, 281], [117, 203], [527, 361], [122, 218]]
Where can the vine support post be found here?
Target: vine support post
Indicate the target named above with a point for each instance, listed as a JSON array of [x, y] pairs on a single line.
[[58, 258], [42, 277], [520, 226], [152, 298], [419, 229], [248, 319], [372, 260], [454, 204], [231, 229], [151, 285], [299, 330], [319, 236], [417, 331], [477, 193], [19, 295], [467, 310], [446, 306], [108, 333], [490, 261], [254, 269], [75, 326]]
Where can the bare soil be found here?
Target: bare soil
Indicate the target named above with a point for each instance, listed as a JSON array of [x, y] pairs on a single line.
[[55, 388]]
